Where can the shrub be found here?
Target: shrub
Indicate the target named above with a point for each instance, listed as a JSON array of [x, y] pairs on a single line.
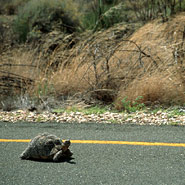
[[42, 16], [10, 7], [132, 106], [103, 14], [149, 9], [110, 17], [1, 31]]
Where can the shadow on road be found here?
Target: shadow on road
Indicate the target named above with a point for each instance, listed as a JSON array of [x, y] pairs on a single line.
[[67, 160]]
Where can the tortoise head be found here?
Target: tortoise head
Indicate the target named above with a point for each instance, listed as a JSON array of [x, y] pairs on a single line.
[[65, 145]]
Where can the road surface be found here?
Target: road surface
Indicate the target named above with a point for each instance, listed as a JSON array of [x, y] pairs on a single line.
[[122, 162]]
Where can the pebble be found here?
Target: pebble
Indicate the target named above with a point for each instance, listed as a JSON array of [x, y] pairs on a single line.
[[141, 118]]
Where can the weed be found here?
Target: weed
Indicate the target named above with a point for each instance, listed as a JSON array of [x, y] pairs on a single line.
[[132, 106], [175, 113], [95, 110], [44, 89], [173, 123], [113, 121], [72, 109], [154, 111], [68, 109], [39, 119], [58, 111]]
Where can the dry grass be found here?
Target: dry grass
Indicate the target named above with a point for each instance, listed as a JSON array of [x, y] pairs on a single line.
[[111, 65], [162, 76], [144, 65], [18, 71], [158, 88]]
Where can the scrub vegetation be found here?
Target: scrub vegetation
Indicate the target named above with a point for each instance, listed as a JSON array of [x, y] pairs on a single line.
[[125, 54]]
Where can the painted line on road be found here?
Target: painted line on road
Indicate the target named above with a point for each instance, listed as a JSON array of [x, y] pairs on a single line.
[[15, 140], [106, 142]]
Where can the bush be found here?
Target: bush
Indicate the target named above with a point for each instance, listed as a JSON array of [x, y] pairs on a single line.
[[132, 106], [10, 7], [42, 16], [110, 17], [149, 9], [103, 15], [2, 30]]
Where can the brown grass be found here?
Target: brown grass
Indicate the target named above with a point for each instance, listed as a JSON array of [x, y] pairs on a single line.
[[158, 88], [110, 66], [143, 65], [18, 71], [164, 83]]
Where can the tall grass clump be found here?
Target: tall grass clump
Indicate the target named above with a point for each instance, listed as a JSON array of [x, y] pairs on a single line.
[[42, 16], [101, 14]]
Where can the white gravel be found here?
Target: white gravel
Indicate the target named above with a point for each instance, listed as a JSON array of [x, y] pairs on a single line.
[[140, 117]]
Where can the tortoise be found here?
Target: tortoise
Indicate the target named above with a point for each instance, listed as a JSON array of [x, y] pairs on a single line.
[[47, 147]]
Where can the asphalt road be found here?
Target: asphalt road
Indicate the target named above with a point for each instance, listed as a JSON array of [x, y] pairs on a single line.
[[96, 163]]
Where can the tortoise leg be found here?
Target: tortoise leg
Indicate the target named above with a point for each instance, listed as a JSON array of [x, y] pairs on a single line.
[[25, 154], [61, 154], [68, 153], [57, 156], [22, 156]]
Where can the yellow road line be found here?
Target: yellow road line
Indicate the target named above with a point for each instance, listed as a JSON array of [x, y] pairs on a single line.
[[15, 140], [129, 143], [107, 142]]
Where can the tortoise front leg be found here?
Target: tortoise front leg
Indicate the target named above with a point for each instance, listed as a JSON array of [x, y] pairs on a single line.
[[60, 154]]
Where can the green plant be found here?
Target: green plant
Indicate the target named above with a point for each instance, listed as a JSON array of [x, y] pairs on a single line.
[[110, 17], [173, 124], [149, 9], [39, 119], [10, 7], [132, 106], [87, 111], [21, 27], [154, 111], [44, 89], [70, 109], [43, 16], [59, 110], [113, 121], [95, 110], [102, 14], [175, 112]]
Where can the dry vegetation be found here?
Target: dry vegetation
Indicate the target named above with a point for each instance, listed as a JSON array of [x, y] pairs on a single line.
[[149, 63], [108, 65]]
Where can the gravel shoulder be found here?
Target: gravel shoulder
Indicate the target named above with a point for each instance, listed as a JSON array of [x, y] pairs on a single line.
[[139, 117]]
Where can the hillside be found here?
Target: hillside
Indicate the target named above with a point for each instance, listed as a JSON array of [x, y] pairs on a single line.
[[124, 61], [117, 63]]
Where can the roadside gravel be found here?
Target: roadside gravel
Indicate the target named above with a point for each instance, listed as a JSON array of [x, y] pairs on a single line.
[[139, 117]]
